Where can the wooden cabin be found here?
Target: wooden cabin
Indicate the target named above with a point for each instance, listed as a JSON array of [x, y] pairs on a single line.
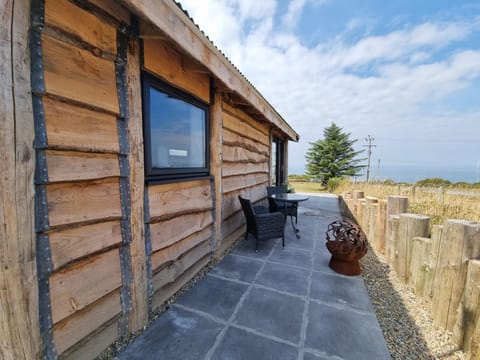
[[126, 137]]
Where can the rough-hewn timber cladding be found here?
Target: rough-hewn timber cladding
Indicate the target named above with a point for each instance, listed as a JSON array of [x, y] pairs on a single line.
[[244, 128], [81, 324], [234, 139], [166, 233], [77, 74], [84, 283], [162, 60], [71, 203], [233, 183], [71, 244], [231, 204], [77, 166], [76, 128], [235, 168], [81, 24], [167, 200]]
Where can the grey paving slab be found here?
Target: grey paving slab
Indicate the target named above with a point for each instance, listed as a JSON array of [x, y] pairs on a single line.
[[238, 344], [215, 296], [238, 267], [291, 256], [247, 247], [310, 356], [284, 278], [345, 333], [177, 334], [272, 313], [340, 290]]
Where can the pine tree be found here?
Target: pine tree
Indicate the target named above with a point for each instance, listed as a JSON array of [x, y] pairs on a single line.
[[333, 156]]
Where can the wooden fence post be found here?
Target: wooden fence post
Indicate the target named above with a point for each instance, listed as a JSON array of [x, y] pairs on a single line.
[[468, 319], [460, 242], [371, 206], [395, 206], [392, 239], [431, 262], [410, 226], [419, 266], [381, 226]]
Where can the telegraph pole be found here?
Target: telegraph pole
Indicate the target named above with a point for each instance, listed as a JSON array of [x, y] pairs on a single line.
[[369, 139]]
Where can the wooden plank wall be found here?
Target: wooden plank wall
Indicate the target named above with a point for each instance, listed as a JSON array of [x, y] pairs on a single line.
[[83, 175], [181, 228], [245, 168]]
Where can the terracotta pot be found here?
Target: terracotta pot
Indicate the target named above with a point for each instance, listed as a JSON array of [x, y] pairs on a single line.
[[347, 243]]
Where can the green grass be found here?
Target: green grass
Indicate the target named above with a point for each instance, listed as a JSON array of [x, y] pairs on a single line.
[[309, 187]]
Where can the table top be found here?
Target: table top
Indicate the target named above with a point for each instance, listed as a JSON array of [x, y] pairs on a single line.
[[289, 197]]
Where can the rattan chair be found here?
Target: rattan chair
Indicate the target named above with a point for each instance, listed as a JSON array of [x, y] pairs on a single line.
[[261, 223], [292, 209]]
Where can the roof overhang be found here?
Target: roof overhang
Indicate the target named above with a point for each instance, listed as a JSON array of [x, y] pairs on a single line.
[[166, 20]]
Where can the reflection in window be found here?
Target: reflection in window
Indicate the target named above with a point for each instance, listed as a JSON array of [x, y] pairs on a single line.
[[176, 130]]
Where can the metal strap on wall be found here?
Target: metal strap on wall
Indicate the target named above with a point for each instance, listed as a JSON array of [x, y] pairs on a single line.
[[43, 253], [125, 197]]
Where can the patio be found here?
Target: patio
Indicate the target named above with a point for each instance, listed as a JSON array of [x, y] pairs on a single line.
[[275, 304]]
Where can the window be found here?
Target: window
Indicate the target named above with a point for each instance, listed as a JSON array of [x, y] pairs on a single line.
[[176, 131]]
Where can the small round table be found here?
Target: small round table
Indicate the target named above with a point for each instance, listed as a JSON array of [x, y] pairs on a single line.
[[294, 199]]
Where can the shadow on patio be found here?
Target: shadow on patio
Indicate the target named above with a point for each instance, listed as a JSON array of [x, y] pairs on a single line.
[[274, 304]]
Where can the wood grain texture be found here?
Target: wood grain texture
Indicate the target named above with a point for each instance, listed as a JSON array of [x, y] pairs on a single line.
[[468, 313], [161, 59], [233, 223], [77, 166], [216, 165], [234, 168], [76, 128], [239, 182], [243, 116], [240, 154], [238, 126], [233, 139], [167, 233], [71, 330], [170, 273], [71, 203], [176, 198], [95, 344], [162, 295], [19, 325], [81, 24], [77, 74], [113, 8], [138, 317], [71, 244], [167, 256], [84, 283]]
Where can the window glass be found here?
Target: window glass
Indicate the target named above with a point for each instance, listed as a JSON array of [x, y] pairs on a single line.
[[175, 132]]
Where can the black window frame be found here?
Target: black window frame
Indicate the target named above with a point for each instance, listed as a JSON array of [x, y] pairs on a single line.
[[166, 174]]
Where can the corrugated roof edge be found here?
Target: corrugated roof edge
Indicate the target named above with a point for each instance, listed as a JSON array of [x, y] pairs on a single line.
[[233, 65]]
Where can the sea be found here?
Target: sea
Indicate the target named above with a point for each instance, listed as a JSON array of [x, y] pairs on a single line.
[[411, 173]]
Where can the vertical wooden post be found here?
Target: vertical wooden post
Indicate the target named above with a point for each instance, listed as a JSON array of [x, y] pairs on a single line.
[[138, 316], [20, 329], [410, 226], [216, 169], [419, 265], [468, 319], [392, 239], [436, 239], [371, 206], [381, 226], [460, 242], [395, 206]]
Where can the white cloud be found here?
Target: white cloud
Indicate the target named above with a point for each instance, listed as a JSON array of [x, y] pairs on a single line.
[[389, 85]]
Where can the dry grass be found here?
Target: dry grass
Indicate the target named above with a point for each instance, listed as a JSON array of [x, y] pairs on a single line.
[[308, 187], [439, 204]]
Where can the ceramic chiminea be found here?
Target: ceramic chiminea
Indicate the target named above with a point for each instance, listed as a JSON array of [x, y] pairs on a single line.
[[347, 243]]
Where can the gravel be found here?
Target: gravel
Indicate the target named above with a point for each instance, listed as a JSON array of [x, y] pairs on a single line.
[[407, 326]]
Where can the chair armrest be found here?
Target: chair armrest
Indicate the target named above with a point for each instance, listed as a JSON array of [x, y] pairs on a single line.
[[260, 209]]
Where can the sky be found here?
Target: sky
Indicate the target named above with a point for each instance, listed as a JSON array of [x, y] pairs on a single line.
[[406, 72]]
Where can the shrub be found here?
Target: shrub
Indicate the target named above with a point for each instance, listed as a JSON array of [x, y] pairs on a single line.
[[433, 182], [334, 183]]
